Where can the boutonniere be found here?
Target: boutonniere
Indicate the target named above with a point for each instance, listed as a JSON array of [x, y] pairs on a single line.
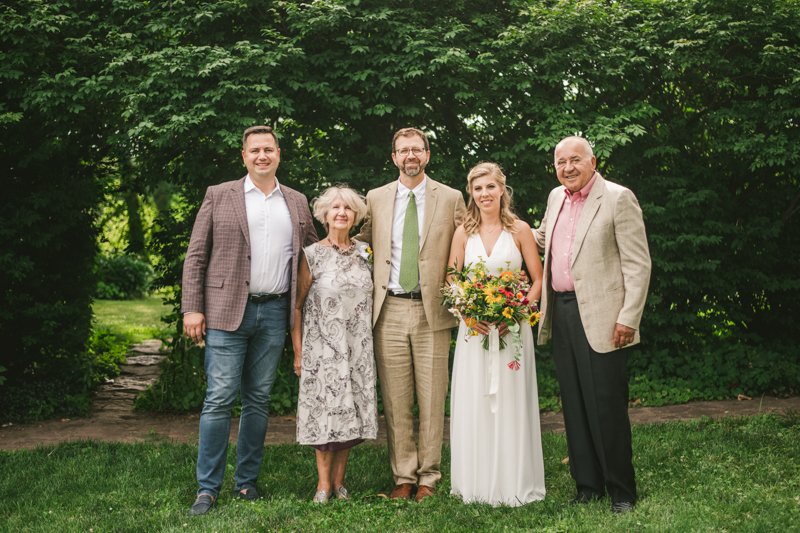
[[365, 252]]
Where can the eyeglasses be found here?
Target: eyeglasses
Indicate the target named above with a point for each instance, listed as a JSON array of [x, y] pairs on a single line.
[[404, 151]]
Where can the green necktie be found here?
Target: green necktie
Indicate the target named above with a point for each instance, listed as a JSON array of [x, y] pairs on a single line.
[[409, 257]]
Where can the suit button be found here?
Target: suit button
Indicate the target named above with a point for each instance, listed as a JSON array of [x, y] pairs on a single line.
[[248, 257], [387, 262], [383, 286], [247, 283]]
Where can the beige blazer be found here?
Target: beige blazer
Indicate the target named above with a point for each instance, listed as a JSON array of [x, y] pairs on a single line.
[[444, 211], [610, 263], [216, 271]]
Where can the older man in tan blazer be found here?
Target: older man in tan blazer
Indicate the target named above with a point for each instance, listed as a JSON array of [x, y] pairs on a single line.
[[596, 275], [410, 224]]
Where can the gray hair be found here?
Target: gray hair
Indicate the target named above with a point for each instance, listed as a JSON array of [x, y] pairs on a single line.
[[354, 201]]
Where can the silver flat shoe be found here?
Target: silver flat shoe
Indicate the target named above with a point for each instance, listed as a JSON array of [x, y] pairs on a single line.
[[321, 497], [342, 493]]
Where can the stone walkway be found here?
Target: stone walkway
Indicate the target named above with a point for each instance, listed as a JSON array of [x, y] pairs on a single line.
[[111, 418]]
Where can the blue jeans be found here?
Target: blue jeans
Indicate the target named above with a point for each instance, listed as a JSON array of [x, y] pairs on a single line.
[[246, 358]]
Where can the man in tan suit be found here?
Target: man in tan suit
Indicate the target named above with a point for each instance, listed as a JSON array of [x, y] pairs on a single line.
[[239, 289], [410, 224], [596, 275]]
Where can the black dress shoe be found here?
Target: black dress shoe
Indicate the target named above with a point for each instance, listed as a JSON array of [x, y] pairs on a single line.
[[622, 507], [251, 495], [202, 505], [582, 498]]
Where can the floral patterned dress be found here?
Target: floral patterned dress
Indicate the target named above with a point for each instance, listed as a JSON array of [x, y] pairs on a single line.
[[338, 401]]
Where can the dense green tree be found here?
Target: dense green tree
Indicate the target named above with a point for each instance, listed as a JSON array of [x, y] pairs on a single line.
[[694, 105]]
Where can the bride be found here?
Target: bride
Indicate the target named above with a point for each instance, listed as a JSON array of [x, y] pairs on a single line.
[[495, 440]]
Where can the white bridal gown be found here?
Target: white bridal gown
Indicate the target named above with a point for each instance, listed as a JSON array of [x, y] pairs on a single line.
[[495, 440]]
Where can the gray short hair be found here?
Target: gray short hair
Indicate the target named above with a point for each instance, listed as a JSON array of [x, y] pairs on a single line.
[[351, 197]]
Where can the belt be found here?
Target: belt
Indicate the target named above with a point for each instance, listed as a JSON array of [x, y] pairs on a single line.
[[407, 295], [264, 298]]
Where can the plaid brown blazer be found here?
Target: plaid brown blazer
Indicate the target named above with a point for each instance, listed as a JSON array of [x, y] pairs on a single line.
[[216, 271]]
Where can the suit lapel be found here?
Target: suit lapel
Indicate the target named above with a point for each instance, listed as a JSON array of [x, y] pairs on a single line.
[[552, 218], [237, 198], [294, 214], [432, 196], [587, 215], [386, 205]]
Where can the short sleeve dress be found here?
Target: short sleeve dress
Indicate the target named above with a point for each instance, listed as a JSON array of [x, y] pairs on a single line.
[[337, 405]]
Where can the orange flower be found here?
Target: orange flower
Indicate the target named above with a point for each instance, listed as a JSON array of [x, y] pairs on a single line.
[[519, 296], [507, 276], [470, 322]]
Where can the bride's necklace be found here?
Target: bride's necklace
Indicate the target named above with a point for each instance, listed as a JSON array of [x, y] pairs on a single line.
[[490, 231], [345, 251]]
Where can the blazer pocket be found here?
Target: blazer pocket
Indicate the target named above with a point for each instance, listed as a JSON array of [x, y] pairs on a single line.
[[215, 282]]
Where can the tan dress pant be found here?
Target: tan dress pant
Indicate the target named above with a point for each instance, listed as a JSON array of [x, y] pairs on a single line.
[[412, 357]]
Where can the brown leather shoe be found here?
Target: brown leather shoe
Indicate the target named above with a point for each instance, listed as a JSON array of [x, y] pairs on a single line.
[[423, 492], [402, 491]]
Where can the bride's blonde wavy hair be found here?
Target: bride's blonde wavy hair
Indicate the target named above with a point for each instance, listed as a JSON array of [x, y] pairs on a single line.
[[472, 218]]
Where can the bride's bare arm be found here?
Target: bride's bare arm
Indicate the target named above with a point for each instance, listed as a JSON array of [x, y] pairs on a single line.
[[457, 250]]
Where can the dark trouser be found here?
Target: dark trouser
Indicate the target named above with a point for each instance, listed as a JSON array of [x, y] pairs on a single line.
[[594, 395]]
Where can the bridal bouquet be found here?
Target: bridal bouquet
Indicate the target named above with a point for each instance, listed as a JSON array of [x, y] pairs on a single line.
[[475, 295]]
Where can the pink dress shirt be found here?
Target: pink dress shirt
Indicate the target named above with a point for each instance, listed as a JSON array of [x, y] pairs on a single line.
[[564, 236]]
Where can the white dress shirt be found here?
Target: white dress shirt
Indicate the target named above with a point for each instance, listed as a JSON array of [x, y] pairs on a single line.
[[270, 226], [400, 204]]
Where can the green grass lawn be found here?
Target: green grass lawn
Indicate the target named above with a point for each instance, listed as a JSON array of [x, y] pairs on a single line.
[[132, 320], [711, 475]]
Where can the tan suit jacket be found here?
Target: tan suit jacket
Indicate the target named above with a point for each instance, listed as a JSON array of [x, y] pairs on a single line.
[[444, 210], [216, 272], [610, 263]]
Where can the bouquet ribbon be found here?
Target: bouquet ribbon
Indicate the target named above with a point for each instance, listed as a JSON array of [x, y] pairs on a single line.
[[493, 368]]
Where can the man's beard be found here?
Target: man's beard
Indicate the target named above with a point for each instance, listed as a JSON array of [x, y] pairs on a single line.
[[419, 168]]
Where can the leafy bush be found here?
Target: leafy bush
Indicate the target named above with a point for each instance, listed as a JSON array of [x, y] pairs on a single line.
[[62, 386], [123, 277]]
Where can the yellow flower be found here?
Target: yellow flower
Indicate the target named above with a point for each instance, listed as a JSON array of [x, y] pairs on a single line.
[[507, 312], [534, 319], [489, 292], [466, 285], [479, 274], [369, 250]]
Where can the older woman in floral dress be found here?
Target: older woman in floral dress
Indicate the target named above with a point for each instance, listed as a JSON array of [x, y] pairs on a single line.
[[332, 339]]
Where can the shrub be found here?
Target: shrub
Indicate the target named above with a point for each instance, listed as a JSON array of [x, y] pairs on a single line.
[[123, 277], [62, 386]]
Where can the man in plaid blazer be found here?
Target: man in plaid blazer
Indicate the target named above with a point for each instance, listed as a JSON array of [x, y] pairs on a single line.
[[239, 289]]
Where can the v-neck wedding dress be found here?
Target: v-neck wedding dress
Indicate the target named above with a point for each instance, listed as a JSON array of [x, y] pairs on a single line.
[[495, 439]]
